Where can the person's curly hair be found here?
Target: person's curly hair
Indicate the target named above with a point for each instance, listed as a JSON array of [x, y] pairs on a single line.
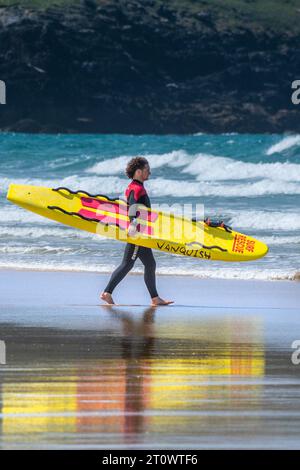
[[137, 163]]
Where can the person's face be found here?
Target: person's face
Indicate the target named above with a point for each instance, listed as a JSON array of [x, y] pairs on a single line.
[[146, 172]]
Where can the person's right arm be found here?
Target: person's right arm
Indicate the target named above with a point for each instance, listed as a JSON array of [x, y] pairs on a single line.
[[133, 199]]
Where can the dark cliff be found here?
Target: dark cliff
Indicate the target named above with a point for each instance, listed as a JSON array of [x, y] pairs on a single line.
[[145, 67]]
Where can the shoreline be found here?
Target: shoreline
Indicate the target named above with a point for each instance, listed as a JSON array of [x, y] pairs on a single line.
[[294, 278], [48, 289]]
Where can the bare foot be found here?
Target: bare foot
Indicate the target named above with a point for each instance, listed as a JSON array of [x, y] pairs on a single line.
[[106, 296], [159, 301]]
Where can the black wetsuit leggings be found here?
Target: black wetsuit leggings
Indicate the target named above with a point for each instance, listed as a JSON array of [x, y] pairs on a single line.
[[131, 253]]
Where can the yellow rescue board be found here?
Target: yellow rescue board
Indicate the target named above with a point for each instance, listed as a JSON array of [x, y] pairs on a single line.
[[158, 230]]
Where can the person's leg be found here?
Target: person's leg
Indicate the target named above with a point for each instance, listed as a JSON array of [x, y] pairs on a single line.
[[147, 258], [130, 255]]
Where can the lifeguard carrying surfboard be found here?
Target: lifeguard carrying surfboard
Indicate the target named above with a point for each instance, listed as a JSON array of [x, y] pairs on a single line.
[[158, 230]]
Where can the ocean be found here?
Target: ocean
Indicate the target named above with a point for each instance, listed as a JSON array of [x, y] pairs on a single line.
[[252, 182]]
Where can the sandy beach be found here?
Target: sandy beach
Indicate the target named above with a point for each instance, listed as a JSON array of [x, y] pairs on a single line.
[[212, 371]]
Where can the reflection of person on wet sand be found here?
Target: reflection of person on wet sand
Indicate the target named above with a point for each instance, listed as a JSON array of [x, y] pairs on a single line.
[[137, 346]]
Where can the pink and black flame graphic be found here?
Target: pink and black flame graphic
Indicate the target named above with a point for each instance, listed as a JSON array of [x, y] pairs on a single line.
[[94, 210]]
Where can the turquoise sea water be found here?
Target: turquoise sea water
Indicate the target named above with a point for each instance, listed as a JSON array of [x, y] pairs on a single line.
[[250, 181]]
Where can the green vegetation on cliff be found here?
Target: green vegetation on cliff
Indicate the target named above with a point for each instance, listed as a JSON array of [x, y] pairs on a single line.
[[281, 15]]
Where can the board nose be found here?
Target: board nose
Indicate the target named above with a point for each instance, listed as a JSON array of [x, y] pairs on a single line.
[[11, 193], [263, 249], [18, 193]]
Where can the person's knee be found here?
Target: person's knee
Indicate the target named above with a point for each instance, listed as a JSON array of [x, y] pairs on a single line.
[[129, 265], [124, 267]]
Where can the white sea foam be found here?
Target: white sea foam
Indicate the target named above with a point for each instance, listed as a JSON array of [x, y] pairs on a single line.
[[64, 162], [233, 273], [45, 249], [279, 240], [114, 186], [164, 187], [9, 214], [115, 166], [54, 265], [213, 273], [206, 167], [284, 144], [37, 232], [93, 184], [265, 220], [213, 168], [214, 177]]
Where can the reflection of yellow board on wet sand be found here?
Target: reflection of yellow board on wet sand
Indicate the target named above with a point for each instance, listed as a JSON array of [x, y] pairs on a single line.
[[158, 230]]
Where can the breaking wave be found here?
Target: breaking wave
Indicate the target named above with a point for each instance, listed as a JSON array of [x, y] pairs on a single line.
[[284, 144]]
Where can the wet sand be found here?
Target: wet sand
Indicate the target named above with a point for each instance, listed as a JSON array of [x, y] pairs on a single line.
[[212, 371]]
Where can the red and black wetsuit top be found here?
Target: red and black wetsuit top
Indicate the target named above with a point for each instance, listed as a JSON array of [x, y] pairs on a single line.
[[137, 194]]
